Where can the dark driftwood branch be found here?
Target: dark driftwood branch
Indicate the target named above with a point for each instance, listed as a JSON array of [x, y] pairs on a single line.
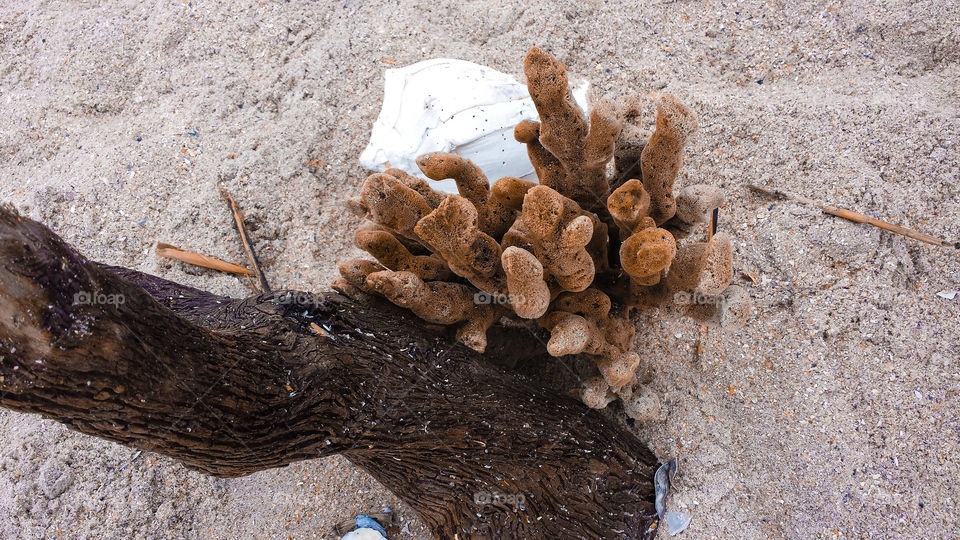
[[230, 387]]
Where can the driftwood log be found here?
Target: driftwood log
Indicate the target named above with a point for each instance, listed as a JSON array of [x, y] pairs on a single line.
[[230, 387]]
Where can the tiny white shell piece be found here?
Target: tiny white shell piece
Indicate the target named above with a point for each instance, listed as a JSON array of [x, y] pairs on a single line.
[[363, 534], [448, 105]]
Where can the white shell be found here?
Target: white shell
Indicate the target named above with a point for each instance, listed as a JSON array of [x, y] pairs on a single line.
[[363, 534], [447, 105]]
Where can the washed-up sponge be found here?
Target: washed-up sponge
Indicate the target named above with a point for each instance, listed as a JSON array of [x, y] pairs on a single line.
[[511, 191], [559, 232], [582, 323], [529, 293], [596, 393], [663, 155], [452, 232], [473, 331], [575, 252], [704, 267], [717, 272], [353, 275], [392, 204], [575, 334], [646, 253], [581, 148], [434, 301], [549, 170], [392, 254], [684, 274], [628, 205], [433, 198], [493, 218]]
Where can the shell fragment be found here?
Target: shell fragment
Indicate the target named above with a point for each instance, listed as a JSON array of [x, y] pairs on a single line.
[[447, 105]]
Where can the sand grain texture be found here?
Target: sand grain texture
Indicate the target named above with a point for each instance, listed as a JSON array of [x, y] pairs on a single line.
[[833, 413]]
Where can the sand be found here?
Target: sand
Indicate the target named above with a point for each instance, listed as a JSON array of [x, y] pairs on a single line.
[[834, 413]]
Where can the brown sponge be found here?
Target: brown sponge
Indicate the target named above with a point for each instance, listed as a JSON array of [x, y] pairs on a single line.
[[493, 217], [529, 293], [434, 301], [646, 253], [581, 323], [628, 204], [451, 231], [619, 368], [549, 170], [473, 331], [563, 126], [582, 149], [701, 269], [605, 126], [511, 191], [717, 272], [663, 155], [559, 232], [568, 252], [592, 303], [392, 254], [596, 393], [518, 235], [629, 146], [684, 274], [392, 204], [573, 334], [353, 275], [433, 198]]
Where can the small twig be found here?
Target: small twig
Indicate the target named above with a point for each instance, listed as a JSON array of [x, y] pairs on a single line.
[[245, 238], [714, 220], [856, 217], [197, 259]]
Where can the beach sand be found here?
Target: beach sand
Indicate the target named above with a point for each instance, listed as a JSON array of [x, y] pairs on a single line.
[[834, 413]]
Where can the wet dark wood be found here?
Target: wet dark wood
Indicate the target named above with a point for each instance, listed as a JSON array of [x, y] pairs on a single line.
[[230, 387]]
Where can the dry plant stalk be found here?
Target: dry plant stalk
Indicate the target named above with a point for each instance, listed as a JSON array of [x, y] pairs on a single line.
[[858, 217], [523, 251], [197, 259]]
